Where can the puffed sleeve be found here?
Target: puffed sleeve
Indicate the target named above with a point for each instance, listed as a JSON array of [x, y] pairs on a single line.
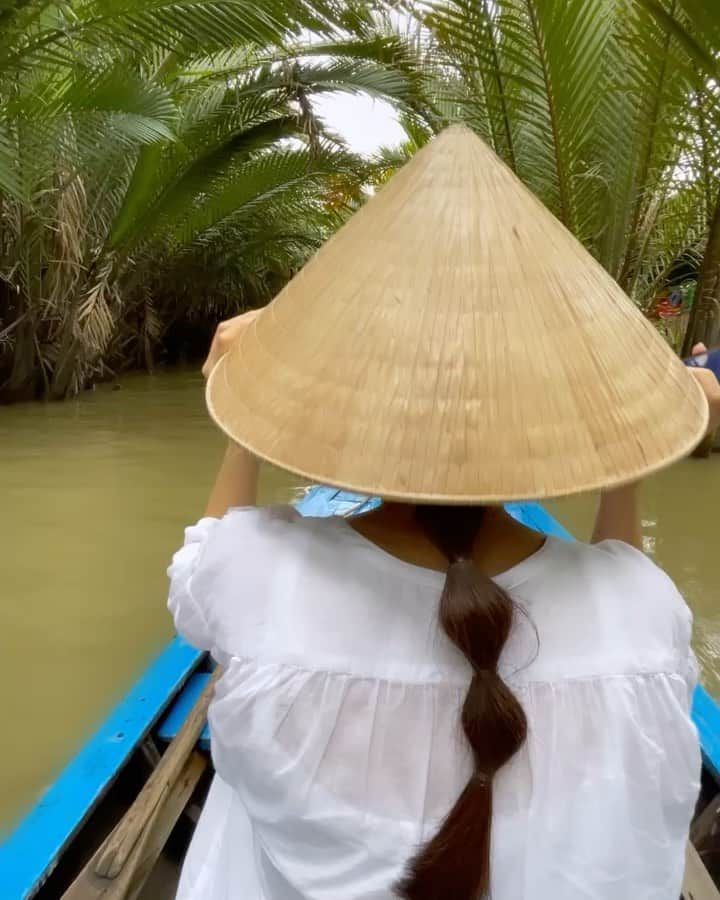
[[188, 615], [658, 610]]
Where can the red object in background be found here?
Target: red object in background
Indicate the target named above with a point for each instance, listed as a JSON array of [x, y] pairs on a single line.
[[668, 307]]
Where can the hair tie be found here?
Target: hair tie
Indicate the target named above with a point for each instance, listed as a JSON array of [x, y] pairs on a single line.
[[459, 559]]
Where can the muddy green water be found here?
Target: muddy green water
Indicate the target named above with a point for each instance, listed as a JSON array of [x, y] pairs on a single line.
[[95, 494]]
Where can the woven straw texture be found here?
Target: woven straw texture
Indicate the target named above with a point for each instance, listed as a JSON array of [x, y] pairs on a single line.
[[454, 343]]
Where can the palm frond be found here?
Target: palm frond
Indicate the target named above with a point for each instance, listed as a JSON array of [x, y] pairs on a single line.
[[275, 177], [698, 31], [186, 25], [147, 107], [181, 191], [9, 176]]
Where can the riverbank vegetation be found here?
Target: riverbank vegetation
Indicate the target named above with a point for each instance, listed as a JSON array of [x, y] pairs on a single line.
[[163, 163]]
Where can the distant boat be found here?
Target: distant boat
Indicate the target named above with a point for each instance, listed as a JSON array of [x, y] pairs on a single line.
[[118, 819]]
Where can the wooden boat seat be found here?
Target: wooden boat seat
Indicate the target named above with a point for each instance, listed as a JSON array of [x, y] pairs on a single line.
[[178, 712]]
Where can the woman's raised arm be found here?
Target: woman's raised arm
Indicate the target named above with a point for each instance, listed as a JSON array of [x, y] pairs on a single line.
[[237, 479]]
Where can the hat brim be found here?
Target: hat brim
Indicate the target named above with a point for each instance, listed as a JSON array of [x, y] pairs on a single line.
[[223, 407]]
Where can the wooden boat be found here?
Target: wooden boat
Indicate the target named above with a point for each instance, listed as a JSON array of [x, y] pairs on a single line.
[[117, 821]]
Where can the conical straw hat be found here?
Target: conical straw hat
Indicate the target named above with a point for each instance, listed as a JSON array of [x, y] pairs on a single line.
[[454, 343]]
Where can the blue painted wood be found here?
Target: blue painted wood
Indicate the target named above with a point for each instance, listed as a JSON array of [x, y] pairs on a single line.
[[535, 516], [322, 501], [706, 715], [180, 708], [31, 851]]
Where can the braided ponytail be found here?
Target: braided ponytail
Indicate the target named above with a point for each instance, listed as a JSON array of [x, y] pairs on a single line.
[[477, 616]]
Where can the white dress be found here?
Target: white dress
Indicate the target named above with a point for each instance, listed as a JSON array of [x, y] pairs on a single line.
[[335, 728]]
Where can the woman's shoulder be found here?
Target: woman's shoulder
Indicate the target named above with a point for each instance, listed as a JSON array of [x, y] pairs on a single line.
[[272, 585], [615, 567], [255, 526], [251, 548], [269, 521], [607, 608], [250, 518], [223, 557], [631, 573]]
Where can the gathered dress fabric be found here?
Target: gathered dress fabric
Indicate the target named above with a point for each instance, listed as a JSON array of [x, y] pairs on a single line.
[[335, 724]]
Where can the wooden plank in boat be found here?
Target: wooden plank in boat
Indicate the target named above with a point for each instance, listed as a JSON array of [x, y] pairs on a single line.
[[32, 849], [697, 884], [113, 855], [145, 852], [120, 866]]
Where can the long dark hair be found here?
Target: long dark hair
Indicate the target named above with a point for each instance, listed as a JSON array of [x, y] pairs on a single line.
[[477, 616]]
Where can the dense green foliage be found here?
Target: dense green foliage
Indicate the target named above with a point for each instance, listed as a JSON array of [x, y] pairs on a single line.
[[162, 163]]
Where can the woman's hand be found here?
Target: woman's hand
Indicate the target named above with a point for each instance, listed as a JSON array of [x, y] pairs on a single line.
[[709, 383], [226, 334]]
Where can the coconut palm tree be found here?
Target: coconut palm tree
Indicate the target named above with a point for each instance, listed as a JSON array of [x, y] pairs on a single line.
[[698, 29], [607, 109], [599, 106]]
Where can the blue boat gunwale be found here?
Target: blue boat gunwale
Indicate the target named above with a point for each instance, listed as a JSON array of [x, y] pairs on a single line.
[[31, 851]]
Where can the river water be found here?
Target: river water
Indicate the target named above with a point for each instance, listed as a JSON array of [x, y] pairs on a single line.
[[96, 493]]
